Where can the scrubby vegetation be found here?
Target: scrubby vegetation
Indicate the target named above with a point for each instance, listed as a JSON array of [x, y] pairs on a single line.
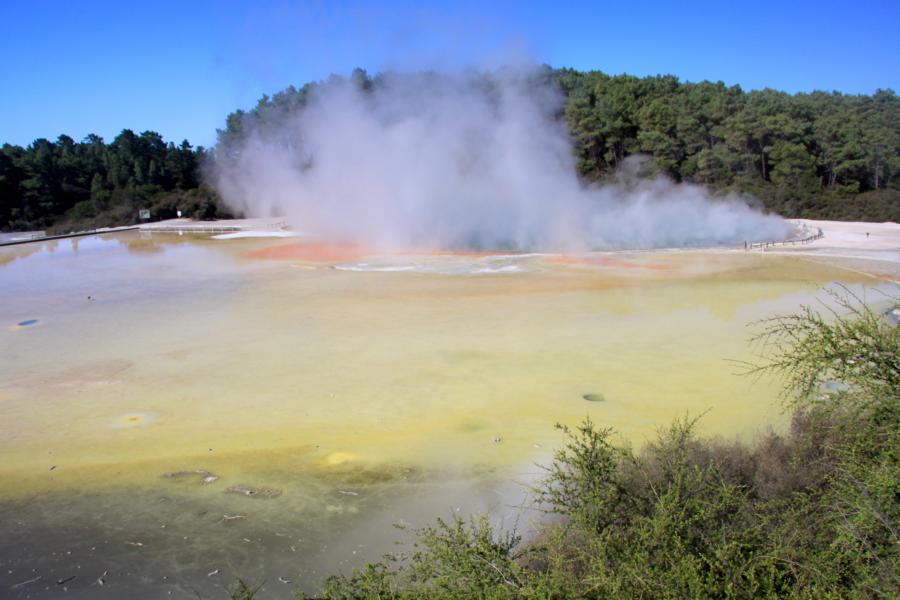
[[812, 513]]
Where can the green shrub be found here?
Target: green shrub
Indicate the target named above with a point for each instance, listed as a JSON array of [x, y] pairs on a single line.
[[812, 513]]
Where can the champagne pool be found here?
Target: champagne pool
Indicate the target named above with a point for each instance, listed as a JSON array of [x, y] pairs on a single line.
[[190, 410]]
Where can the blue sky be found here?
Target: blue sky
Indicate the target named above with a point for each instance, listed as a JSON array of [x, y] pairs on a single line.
[[179, 67]]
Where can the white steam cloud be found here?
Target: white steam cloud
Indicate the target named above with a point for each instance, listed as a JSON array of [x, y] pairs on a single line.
[[458, 161]]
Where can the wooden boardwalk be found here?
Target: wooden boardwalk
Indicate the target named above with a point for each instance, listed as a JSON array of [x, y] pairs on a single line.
[[169, 226], [792, 242], [73, 234]]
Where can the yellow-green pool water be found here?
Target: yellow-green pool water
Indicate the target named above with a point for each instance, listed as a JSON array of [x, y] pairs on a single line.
[[367, 391]]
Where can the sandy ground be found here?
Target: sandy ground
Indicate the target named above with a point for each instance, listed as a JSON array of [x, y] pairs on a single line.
[[870, 248], [855, 235], [264, 224], [20, 235]]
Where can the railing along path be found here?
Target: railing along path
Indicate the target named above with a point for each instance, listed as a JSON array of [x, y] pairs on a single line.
[[765, 245]]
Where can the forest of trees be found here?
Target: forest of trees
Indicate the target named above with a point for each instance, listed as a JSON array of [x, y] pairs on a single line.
[[65, 184], [817, 155]]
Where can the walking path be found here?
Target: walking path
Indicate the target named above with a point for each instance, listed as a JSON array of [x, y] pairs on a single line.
[[191, 226]]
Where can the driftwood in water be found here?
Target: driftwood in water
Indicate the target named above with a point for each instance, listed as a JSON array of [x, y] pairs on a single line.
[[206, 477], [24, 583], [253, 492]]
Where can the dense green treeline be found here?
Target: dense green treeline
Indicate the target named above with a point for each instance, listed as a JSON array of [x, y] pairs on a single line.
[[817, 155], [68, 184], [813, 513]]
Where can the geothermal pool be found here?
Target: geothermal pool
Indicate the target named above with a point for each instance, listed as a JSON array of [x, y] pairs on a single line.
[[144, 376]]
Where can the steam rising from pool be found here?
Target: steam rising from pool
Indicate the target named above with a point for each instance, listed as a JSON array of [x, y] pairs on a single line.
[[458, 160]]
